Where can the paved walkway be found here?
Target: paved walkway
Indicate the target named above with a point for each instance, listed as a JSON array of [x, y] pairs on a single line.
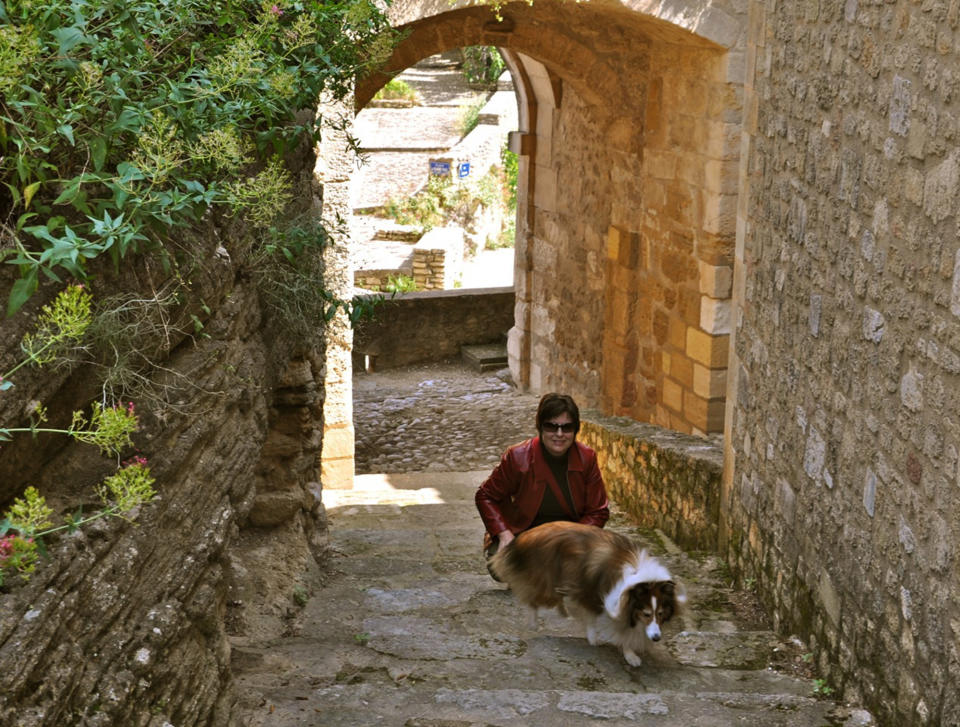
[[437, 418], [406, 628], [397, 144]]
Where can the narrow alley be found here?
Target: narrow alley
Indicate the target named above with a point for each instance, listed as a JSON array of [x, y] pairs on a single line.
[[406, 627]]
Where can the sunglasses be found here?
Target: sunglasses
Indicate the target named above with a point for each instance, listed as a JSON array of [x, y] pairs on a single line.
[[566, 427]]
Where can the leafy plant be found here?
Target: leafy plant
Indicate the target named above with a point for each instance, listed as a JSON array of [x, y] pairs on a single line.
[[300, 595], [511, 170], [400, 284], [397, 88], [26, 523], [482, 65], [444, 201], [821, 688], [120, 120], [470, 115]]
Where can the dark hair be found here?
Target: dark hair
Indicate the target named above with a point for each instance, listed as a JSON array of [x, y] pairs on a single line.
[[552, 405]]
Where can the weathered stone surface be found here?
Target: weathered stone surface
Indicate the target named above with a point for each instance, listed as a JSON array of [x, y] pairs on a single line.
[[846, 338], [429, 640], [432, 325], [664, 479], [126, 622], [274, 508]]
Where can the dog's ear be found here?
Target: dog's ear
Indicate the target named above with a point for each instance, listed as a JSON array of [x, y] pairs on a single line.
[[619, 602], [636, 598], [673, 599]]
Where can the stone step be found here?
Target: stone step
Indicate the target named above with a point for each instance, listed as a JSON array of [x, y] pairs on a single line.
[[485, 357], [379, 699], [407, 628]]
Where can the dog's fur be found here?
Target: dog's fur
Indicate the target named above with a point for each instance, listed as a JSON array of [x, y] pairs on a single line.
[[620, 593]]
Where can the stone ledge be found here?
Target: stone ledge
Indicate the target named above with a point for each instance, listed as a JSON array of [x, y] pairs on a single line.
[[662, 478]]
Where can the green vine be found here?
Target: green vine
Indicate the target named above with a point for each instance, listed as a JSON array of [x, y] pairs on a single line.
[[120, 120]]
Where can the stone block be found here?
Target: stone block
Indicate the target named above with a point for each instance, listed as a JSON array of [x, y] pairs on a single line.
[[715, 315], [337, 474], [720, 213], [704, 414], [955, 286], [688, 305], [338, 442], [678, 334], [913, 184], [545, 193], [690, 169], [660, 164], [715, 280], [721, 27], [672, 394], [723, 140], [629, 252], [711, 351], [661, 327], [941, 187], [275, 508], [682, 370], [709, 383]]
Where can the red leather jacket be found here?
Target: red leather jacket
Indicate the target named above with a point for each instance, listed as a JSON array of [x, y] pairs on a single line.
[[510, 497]]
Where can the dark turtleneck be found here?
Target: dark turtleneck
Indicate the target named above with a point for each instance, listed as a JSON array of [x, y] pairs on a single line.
[[550, 507]]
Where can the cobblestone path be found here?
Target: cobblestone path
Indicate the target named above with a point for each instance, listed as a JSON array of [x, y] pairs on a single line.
[[437, 418]]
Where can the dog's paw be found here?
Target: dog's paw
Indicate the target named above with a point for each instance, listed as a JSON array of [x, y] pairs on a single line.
[[591, 636], [633, 659]]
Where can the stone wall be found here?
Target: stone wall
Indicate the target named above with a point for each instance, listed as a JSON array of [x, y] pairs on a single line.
[[431, 326], [438, 258], [841, 483], [131, 622], [663, 479]]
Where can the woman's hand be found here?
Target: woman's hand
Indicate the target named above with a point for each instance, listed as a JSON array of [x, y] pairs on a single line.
[[504, 538]]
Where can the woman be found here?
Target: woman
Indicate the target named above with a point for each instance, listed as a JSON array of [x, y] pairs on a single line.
[[550, 477]]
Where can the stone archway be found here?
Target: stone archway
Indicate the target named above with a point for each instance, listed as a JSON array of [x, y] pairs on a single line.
[[629, 139]]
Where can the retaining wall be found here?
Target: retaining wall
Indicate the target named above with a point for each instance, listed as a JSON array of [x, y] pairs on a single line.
[[431, 325], [664, 479]]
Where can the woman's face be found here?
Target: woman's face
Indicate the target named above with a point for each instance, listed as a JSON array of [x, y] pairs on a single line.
[[553, 437]]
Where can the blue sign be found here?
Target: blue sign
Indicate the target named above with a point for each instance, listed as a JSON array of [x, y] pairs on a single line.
[[463, 169], [439, 169]]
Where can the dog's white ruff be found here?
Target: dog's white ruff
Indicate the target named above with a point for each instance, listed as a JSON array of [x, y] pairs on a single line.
[[646, 571]]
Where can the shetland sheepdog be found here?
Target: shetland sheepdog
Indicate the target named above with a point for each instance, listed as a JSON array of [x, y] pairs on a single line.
[[617, 591]]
